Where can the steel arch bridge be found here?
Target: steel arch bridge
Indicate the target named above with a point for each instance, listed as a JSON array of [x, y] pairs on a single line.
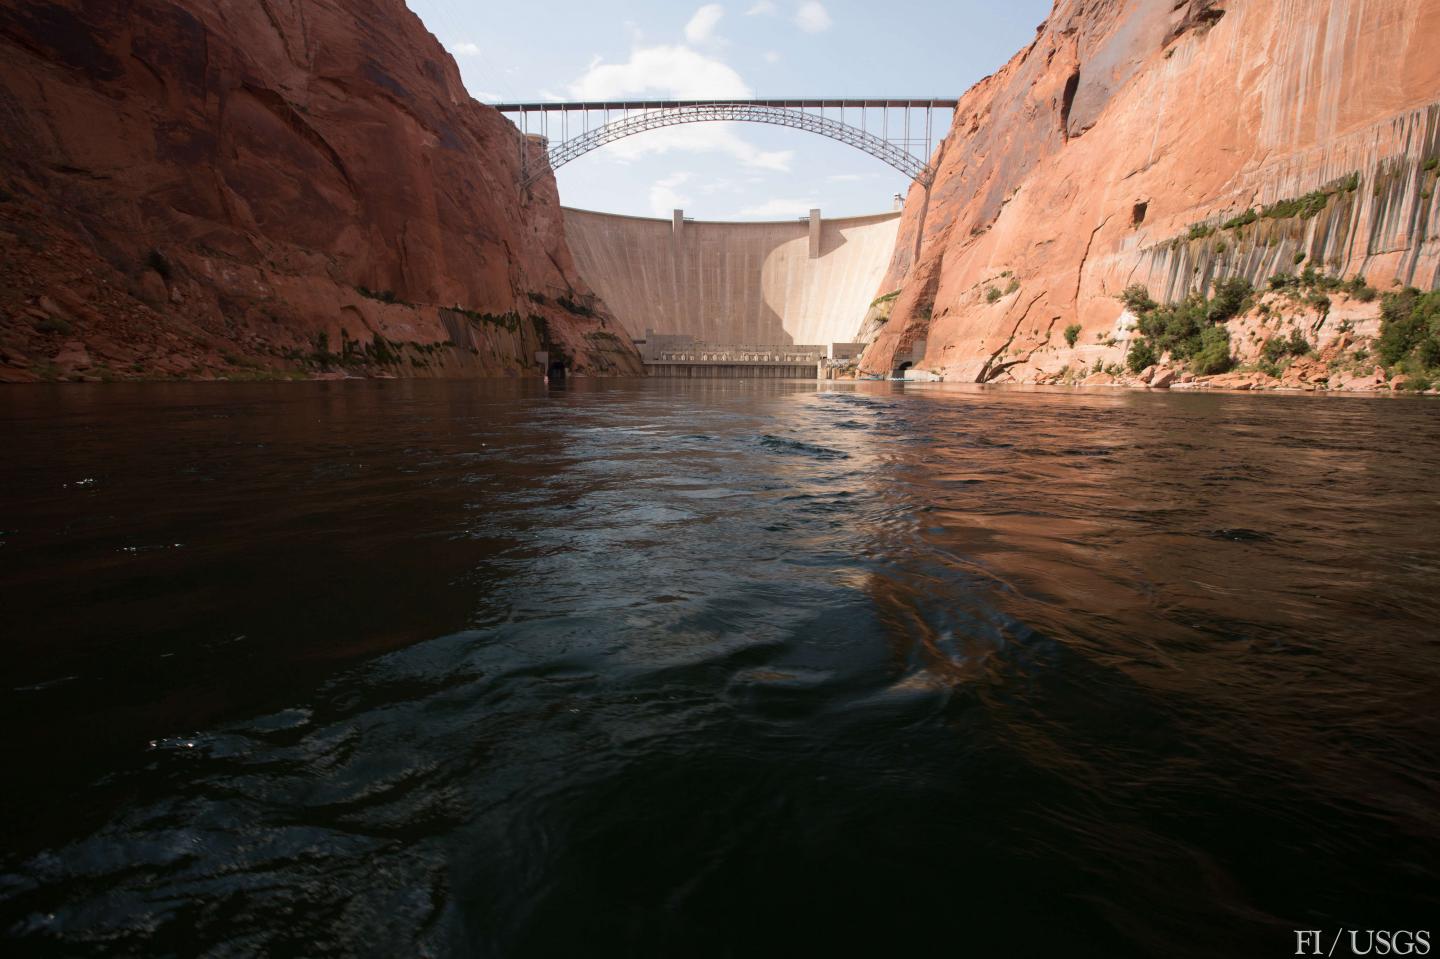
[[893, 143]]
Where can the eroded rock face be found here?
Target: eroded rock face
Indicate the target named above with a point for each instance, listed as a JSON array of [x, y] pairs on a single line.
[[214, 188], [1114, 149]]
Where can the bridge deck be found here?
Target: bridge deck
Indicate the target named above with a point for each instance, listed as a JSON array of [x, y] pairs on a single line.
[[912, 103]]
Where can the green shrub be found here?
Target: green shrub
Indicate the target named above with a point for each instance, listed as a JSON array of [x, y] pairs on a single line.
[[1072, 333], [1137, 299], [1244, 219], [1174, 328], [1304, 207], [1192, 329], [1276, 348], [1012, 286], [1232, 296], [1284, 281], [1213, 354], [993, 294], [1312, 203], [1199, 231], [1299, 258], [1432, 163], [1361, 290], [1141, 355], [1410, 328], [1419, 382]]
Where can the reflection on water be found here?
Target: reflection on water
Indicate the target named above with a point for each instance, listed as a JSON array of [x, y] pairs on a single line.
[[714, 668]]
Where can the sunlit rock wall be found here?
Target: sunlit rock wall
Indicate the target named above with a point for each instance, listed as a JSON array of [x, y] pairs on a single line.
[[1098, 156], [734, 283]]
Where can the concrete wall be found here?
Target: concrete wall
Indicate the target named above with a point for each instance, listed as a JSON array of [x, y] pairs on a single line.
[[734, 282]]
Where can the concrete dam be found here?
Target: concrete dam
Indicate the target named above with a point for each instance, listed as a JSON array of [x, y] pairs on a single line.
[[756, 287]]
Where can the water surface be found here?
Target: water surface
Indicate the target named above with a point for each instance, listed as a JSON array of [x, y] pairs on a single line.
[[714, 668]]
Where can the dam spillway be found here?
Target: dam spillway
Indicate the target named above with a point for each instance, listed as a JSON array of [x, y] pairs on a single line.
[[802, 281]]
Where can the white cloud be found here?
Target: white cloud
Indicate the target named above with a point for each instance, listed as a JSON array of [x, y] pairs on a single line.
[[720, 185], [783, 208], [664, 195], [484, 97], [772, 56], [844, 177], [762, 9], [681, 73], [701, 28], [674, 71], [812, 17], [465, 49]]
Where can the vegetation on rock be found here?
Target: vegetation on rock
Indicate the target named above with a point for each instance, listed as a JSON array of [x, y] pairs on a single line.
[[1191, 329], [1410, 336]]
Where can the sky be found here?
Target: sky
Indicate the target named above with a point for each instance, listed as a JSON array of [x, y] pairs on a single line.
[[644, 49]]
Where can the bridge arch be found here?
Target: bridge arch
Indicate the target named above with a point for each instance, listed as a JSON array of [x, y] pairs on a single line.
[[642, 116]]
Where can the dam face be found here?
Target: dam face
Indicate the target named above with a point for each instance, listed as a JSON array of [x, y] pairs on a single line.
[[792, 282]]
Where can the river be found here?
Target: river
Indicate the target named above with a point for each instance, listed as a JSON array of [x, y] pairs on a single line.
[[671, 668]]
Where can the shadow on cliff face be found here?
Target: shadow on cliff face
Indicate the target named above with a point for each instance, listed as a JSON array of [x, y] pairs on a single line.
[[199, 195]]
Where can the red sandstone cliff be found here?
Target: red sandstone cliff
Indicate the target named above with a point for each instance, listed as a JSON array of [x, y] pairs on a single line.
[[1082, 166], [206, 188]]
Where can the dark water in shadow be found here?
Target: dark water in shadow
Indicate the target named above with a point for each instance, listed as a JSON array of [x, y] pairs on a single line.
[[714, 668]]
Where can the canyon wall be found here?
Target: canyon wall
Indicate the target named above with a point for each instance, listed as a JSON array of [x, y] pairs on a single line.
[[1126, 144], [274, 188], [734, 283]]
